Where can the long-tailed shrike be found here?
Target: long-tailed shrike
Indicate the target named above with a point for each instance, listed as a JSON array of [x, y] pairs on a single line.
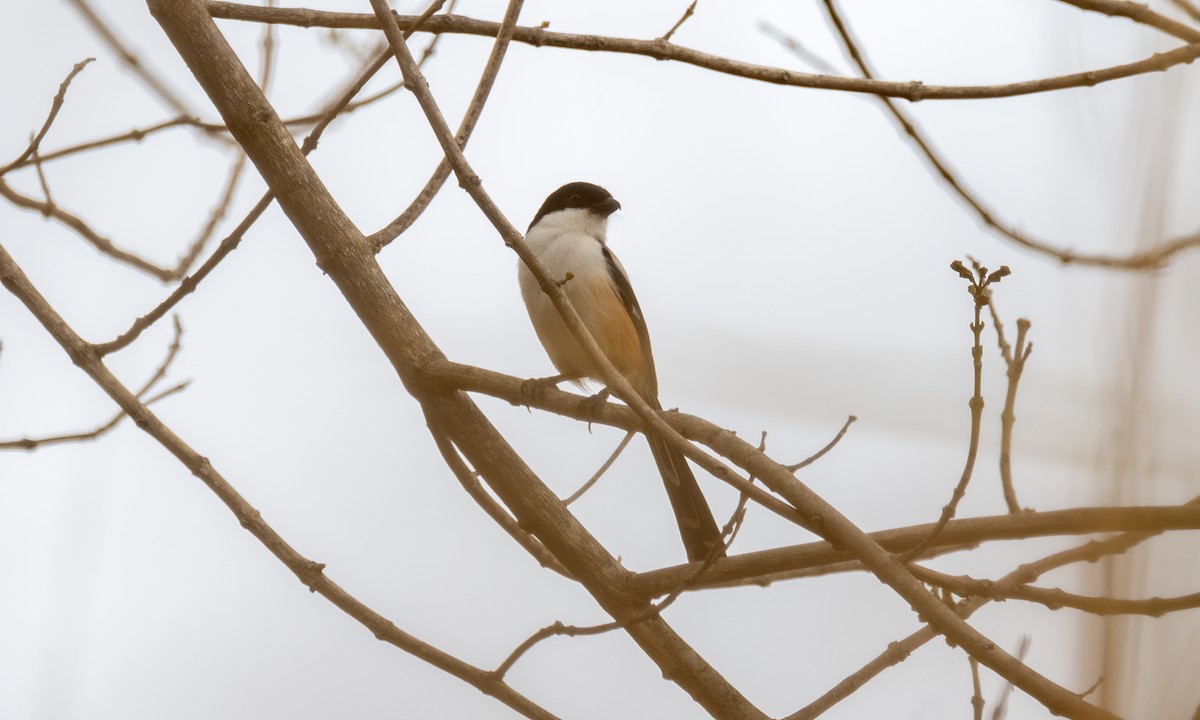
[[568, 235]]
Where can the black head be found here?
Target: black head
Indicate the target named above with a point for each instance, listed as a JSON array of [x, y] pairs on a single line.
[[578, 195]]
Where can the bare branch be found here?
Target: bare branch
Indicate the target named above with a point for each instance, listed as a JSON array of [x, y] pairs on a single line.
[[152, 81], [679, 23], [1016, 365], [1189, 8], [912, 90], [469, 479], [159, 373], [977, 692], [342, 252], [1001, 706], [1139, 13], [310, 573], [1054, 598], [753, 567], [821, 453], [981, 294], [1150, 258], [84, 231], [898, 651], [794, 46], [728, 533], [603, 469], [483, 89], [55, 106], [231, 242]]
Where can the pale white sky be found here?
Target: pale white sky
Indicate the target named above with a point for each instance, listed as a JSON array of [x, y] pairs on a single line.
[[790, 251]]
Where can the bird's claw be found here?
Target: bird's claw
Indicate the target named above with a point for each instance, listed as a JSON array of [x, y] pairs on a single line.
[[591, 406], [531, 390]]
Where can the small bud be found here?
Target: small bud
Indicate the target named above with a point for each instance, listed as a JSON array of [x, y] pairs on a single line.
[[958, 267], [1003, 272]]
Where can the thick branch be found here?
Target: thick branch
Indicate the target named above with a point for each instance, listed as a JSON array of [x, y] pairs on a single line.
[[343, 253], [969, 531]]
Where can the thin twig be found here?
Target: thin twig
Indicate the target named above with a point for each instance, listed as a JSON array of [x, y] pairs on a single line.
[[469, 479], [41, 176], [158, 86], [793, 45], [913, 90], [172, 352], [1055, 598], [977, 692], [30, 444], [768, 565], [898, 651], [821, 453], [1139, 13], [55, 106], [557, 628], [466, 126], [603, 469], [83, 230], [980, 289], [1142, 260], [1015, 362], [1189, 8], [310, 573], [1000, 710], [679, 23], [231, 242]]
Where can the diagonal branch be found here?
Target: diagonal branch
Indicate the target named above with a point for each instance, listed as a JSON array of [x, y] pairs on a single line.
[[345, 256], [483, 89], [834, 525], [309, 572], [55, 106], [230, 243], [1149, 258], [172, 351], [899, 651]]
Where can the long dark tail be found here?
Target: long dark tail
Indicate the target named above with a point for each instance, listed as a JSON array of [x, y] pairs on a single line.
[[696, 524]]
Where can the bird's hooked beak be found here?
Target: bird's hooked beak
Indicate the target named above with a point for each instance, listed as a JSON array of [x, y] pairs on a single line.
[[606, 207]]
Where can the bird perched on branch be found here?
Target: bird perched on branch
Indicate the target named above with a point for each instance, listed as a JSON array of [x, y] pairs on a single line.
[[568, 235]]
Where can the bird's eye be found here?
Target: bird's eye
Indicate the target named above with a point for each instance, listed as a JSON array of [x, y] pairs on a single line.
[[575, 198]]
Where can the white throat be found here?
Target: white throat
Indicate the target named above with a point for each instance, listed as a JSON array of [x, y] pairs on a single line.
[[574, 221]]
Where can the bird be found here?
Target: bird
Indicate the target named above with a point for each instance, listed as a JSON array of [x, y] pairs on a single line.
[[569, 235]]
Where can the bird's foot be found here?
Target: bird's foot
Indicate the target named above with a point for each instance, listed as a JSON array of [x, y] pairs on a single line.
[[532, 389], [591, 407]]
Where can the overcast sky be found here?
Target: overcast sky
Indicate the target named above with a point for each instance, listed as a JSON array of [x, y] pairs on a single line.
[[790, 251]]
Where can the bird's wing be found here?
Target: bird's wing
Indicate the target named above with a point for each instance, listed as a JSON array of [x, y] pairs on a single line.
[[625, 291]]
